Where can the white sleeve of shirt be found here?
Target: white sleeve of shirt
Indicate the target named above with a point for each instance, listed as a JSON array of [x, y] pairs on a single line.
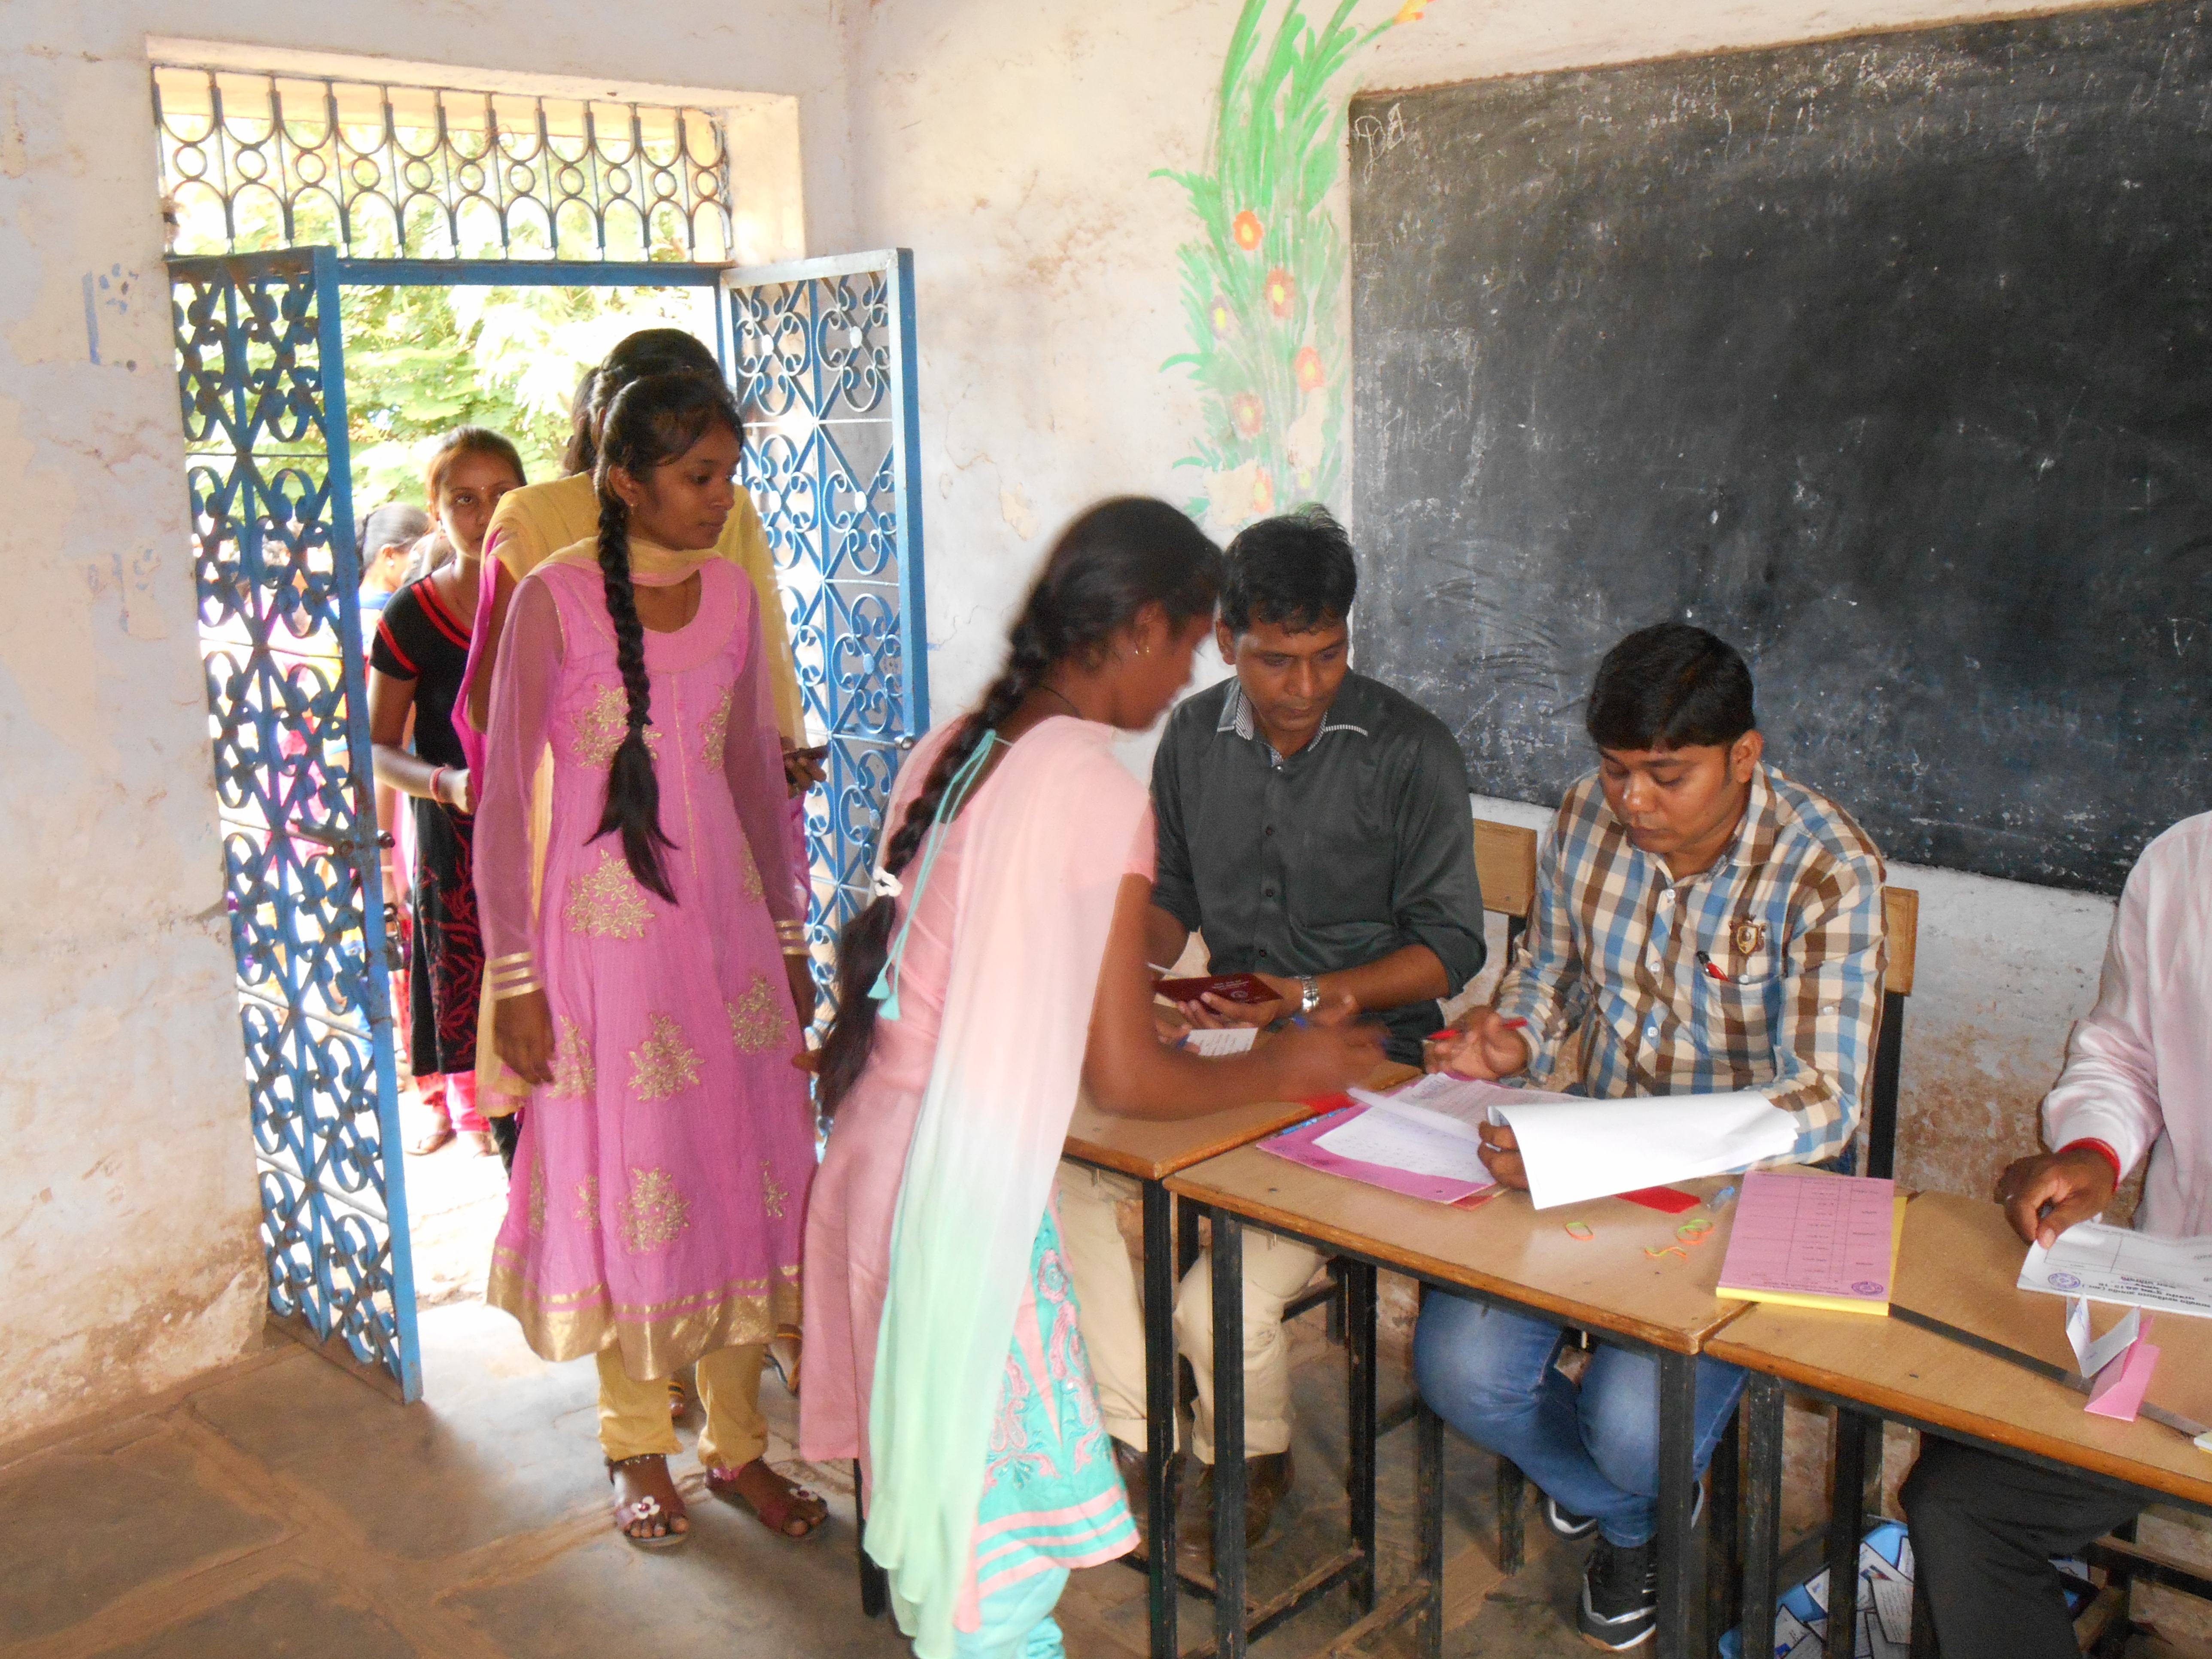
[[2109, 1090]]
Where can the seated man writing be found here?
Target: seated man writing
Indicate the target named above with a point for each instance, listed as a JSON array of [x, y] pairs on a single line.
[[1702, 925], [1315, 826], [2138, 1079]]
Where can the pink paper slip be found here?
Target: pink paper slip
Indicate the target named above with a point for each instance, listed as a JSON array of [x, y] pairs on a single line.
[[1820, 1240], [2120, 1386], [1298, 1145]]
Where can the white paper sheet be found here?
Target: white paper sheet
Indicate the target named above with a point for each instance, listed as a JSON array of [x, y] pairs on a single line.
[[1228, 1040], [1402, 1136], [2116, 1264], [1893, 1604], [1580, 1148], [1467, 1099], [2093, 1357]]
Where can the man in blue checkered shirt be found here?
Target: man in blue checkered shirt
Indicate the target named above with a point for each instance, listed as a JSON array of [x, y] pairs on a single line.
[[1702, 925]]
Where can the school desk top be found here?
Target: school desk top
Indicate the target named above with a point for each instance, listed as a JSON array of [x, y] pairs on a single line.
[[1958, 1264], [1504, 1245], [1151, 1149]]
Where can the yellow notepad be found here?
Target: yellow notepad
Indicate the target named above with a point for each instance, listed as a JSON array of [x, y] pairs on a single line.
[[1808, 1240]]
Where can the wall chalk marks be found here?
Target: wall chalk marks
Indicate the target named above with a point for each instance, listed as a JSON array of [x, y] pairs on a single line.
[[1888, 358]]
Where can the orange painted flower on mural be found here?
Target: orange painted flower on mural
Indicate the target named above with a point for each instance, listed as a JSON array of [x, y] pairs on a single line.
[[1263, 492], [1281, 290], [1246, 229], [1307, 366], [1410, 12], [1248, 413]]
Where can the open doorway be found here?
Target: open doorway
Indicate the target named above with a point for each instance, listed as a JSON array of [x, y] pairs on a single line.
[[503, 193]]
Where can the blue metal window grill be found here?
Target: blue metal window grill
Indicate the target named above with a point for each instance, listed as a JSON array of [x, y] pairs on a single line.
[[263, 410], [822, 354]]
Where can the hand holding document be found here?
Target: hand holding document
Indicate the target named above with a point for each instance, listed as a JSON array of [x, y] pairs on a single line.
[[2116, 1264], [1577, 1149]]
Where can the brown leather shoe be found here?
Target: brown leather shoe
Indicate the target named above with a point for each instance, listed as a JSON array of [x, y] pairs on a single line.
[[1269, 1479], [1129, 1463]]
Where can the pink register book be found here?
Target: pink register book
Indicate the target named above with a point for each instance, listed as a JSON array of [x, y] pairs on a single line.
[[1298, 1145]]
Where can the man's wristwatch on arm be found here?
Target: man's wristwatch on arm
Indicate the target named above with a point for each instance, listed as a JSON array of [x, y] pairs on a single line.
[[1309, 994]]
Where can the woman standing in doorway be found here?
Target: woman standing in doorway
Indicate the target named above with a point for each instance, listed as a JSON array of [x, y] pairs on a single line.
[[416, 662], [646, 995], [1004, 966]]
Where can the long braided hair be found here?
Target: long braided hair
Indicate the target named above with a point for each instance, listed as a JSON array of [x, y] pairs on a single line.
[[1116, 558], [648, 351], [651, 422]]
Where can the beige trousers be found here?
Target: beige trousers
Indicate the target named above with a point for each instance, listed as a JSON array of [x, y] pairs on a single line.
[[634, 1414], [1106, 1290]]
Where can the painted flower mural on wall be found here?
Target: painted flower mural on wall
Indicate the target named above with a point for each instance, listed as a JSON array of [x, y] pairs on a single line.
[[1262, 281]]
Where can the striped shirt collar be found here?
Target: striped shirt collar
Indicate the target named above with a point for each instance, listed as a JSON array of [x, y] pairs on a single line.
[[1237, 716], [1751, 845]]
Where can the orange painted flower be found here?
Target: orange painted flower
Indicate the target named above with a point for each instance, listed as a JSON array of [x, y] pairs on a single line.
[[1410, 12], [1281, 290], [1221, 317], [1247, 412], [1306, 365], [1246, 229], [1263, 492]]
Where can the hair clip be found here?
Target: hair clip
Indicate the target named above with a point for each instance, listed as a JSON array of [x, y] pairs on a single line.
[[887, 886]]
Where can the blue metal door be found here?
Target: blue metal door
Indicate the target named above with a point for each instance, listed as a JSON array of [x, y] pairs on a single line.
[[263, 400], [822, 354]]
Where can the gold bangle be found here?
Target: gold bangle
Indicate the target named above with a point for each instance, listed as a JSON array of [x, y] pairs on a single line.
[[510, 959], [521, 987], [797, 951]]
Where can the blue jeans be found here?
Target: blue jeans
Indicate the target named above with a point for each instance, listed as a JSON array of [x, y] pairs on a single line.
[[1595, 1450]]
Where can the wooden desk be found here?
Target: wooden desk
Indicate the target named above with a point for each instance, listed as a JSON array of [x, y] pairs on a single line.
[[1151, 1150], [1957, 1262], [1505, 1253]]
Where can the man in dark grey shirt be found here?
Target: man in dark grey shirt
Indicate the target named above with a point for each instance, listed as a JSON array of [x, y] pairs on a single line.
[[1314, 825]]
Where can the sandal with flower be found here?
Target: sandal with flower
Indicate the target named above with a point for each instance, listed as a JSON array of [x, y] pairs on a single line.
[[783, 1508], [647, 1511]]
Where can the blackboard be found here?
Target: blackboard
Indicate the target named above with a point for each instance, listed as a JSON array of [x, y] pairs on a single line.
[[1889, 359]]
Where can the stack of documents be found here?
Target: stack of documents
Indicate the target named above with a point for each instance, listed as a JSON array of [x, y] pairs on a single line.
[[1813, 1240], [2114, 1264], [1579, 1149]]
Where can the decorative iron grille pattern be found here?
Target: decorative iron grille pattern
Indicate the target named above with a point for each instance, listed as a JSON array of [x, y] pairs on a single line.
[[254, 161], [823, 353], [278, 574]]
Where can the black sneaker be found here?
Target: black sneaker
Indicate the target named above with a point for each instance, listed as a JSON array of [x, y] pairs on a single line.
[[1620, 1607], [1564, 1522]]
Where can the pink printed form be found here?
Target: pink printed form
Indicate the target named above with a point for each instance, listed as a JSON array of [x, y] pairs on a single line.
[[1812, 1236]]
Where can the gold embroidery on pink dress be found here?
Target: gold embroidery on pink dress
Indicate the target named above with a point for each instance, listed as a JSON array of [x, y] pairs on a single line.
[[773, 1193], [715, 729], [758, 1019], [587, 1202], [753, 888], [575, 1076], [653, 1213], [663, 1064], [601, 728], [537, 1197], [605, 901]]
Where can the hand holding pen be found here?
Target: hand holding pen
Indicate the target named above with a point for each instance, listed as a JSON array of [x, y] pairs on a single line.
[[1485, 1044]]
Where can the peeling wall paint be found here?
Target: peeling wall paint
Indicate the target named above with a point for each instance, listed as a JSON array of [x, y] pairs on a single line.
[[128, 1215]]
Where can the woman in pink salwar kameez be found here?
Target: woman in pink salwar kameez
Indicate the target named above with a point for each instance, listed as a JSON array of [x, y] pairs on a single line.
[[1003, 968], [652, 992]]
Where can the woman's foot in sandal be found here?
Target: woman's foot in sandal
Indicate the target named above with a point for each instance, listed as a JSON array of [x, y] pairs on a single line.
[[438, 1134], [648, 1511], [781, 1506]]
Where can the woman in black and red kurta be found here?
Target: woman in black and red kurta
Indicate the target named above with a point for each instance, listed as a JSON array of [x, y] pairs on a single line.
[[417, 659]]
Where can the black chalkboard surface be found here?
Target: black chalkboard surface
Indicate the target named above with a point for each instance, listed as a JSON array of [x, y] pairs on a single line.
[[1889, 359]]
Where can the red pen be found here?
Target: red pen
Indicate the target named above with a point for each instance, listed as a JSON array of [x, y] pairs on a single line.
[[1706, 961]]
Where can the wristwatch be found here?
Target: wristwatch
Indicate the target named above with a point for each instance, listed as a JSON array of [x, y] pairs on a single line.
[[1309, 994]]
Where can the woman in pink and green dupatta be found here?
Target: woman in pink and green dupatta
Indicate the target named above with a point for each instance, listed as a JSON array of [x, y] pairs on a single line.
[[1002, 968]]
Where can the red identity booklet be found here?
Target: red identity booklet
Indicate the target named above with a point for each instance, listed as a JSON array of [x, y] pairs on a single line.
[[1246, 989]]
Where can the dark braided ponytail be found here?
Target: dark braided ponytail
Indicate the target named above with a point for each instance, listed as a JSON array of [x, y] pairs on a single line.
[[1116, 559], [650, 423]]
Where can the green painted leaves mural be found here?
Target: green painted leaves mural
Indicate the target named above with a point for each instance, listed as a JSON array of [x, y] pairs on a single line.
[[1262, 281]]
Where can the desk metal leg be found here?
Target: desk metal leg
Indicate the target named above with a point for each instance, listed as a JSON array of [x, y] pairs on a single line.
[[1723, 1531], [1762, 1511], [1678, 1485], [1360, 1477], [1429, 1498], [1512, 1541], [1160, 1415], [1846, 1521], [1229, 1474]]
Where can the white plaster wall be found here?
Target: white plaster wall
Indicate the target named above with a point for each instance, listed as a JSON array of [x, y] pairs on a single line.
[[127, 1203], [1011, 146]]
